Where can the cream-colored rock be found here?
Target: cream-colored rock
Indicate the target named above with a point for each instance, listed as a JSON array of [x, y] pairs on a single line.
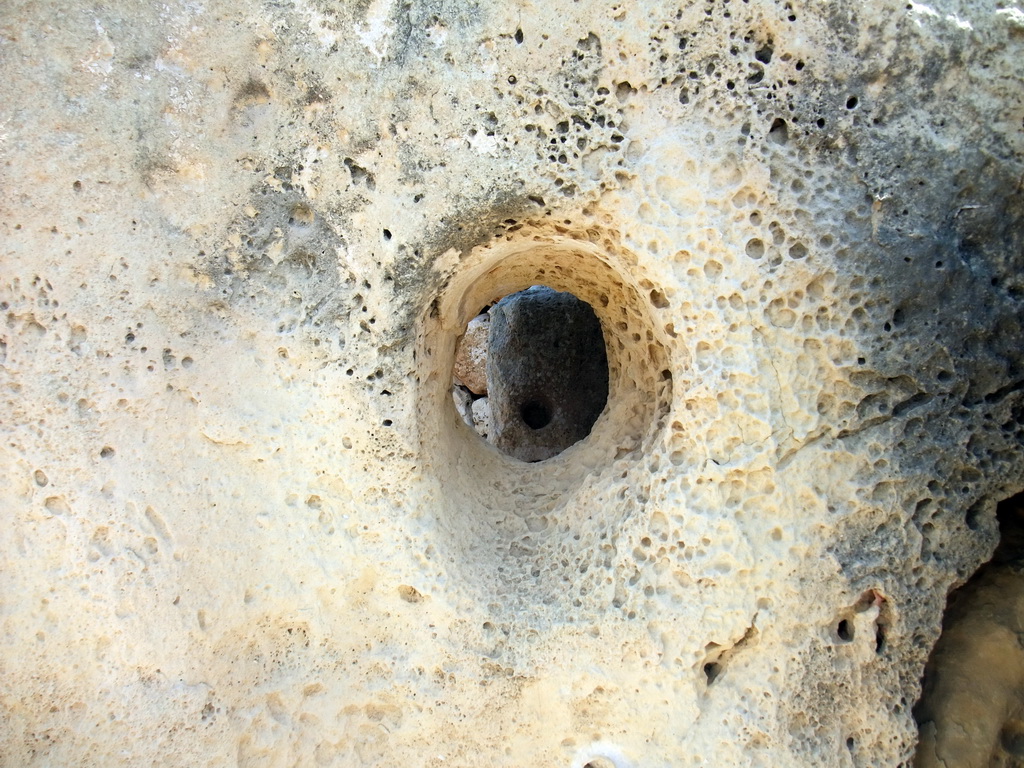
[[463, 403], [481, 409], [242, 521], [471, 355]]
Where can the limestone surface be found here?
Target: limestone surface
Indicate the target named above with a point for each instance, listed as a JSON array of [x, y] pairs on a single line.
[[241, 519], [971, 712]]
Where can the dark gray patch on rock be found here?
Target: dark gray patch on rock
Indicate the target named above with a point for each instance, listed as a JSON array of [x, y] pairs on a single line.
[[547, 372]]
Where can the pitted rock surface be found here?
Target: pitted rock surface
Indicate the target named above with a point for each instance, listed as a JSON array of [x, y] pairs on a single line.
[[547, 372], [481, 416], [471, 355], [242, 521]]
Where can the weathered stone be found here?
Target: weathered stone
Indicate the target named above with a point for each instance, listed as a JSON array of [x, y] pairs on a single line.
[[471, 355], [463, 403], [971, 711], [481, 417], [547, 372], [242, 522]]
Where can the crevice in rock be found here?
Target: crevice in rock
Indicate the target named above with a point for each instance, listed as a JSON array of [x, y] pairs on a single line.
[[971, 710], [717, 657]]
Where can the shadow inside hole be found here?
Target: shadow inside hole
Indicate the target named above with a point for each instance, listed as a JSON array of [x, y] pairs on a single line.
[[969, 669], [711, 671], [535, 414], [531, 373], [845, 631]]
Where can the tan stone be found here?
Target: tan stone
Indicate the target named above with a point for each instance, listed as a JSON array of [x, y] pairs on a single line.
[[471, 355], [241, 519]]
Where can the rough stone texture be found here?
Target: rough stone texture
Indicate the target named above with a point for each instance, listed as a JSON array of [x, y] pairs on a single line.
[[971, 711], [471, 355], [463, 403], [481, 417], [242, 520], [547, 373]]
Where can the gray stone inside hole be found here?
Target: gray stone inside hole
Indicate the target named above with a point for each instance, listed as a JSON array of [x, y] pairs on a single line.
[[535, 413], [546, 373]]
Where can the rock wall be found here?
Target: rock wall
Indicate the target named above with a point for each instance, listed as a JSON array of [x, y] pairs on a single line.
[[972, 703], [243, 522]]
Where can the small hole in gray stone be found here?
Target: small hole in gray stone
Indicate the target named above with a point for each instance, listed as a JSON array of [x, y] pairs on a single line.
[[531, 373], [779, 132], [535, 414]]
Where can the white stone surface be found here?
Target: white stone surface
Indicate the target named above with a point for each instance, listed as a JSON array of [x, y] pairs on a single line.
[[242, 520]]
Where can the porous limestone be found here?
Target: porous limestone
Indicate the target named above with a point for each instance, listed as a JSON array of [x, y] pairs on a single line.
[[243, 521]]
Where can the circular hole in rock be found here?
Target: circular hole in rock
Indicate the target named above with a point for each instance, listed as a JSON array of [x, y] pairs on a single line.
[[535, 414], [845, 631], [531, 373]]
